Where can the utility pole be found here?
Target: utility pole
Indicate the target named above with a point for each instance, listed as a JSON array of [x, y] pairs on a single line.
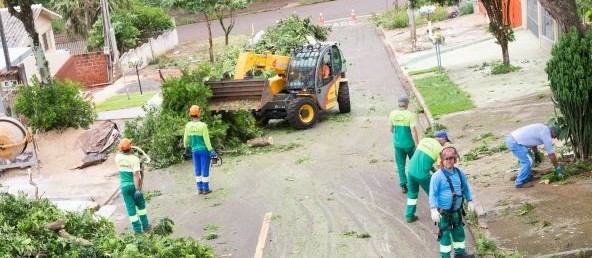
[[4, 46], [107, 50]]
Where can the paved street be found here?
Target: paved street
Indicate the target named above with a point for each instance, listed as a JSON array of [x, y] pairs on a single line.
[[245, 24], [343, 183]]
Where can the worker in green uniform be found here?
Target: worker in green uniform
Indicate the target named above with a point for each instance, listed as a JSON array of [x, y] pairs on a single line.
[[420, 165], [405, 138], [128, 166], [197, 138]]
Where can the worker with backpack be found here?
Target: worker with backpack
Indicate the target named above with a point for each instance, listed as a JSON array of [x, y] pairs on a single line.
[[448, 190]]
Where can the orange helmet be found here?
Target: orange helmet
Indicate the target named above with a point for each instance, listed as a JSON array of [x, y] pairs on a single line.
[[195, 111], [125, 144]]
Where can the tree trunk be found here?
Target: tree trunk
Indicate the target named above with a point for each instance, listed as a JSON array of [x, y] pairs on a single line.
[[211, 49], [498, 26], [505, 52], [565, 12], [25, 15], [396, 4], [412, 29]]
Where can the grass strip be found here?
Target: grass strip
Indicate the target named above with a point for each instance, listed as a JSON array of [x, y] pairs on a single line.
[[442, 96], [121, 101]]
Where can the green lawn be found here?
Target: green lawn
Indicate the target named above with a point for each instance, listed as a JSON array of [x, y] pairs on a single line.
[[121, 101], [442, 96]]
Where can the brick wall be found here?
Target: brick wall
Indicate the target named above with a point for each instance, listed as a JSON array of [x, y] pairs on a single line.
[[89, 69]]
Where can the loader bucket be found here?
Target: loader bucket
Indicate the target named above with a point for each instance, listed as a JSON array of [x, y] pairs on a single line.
[[237, 94]]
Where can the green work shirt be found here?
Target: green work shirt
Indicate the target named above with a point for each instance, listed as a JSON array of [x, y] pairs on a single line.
[[127, 164], [425, 155], [402, 120], [197, 136]]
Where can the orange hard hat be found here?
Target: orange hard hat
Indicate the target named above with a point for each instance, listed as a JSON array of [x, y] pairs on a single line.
[[195, 111], [125, 144]]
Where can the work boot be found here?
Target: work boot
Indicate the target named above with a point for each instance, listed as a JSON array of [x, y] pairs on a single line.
[[206, 192], [411, 220], [201, 191], [533, 178], [525, 185], [404, 189]]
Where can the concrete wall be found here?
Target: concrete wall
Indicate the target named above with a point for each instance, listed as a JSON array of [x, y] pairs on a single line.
[[89, 69], [149, 51]]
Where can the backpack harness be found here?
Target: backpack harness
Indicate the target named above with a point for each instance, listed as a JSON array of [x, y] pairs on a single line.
[[449, 212]]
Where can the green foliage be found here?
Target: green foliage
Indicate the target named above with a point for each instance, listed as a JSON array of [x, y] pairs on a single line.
[[224, 68], [466, 8], [131, 27], [430, 131], [164, 227], [57, 105], [158, 3], [524, 208], [288, 33], [440, 14], [160, 131], [22, 234], [393, 19], [501, 68], [442, 95], [126, 35], [571, 83]]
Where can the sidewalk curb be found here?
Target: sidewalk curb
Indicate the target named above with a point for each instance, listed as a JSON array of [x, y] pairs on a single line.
[[425, 117], [583, 252]]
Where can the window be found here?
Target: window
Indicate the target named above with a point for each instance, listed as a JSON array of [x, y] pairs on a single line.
[[548, 25], [337, 62]]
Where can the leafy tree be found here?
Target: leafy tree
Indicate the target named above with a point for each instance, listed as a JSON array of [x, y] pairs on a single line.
[[228, 8], [25, 15], [132, 27], [499, 25], [205, 7], [571, 83], [288, 33], [81, 15]]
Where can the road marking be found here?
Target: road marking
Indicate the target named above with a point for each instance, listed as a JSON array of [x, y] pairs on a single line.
[[263, 235]]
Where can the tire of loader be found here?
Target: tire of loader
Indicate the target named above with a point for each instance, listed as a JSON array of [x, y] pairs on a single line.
[[343, 98], [302, 113], [262, 121]]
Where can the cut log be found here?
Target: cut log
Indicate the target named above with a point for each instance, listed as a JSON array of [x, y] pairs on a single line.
[[260, 142], [59, 225]]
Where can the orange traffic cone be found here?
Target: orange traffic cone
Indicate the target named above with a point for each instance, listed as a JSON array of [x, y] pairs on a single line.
[[321, 19], [353, 15]]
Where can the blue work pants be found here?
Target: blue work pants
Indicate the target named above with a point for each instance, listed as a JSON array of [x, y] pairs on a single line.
[[521, 152]]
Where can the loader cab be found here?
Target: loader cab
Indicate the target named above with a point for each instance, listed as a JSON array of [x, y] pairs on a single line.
[[302, 69]]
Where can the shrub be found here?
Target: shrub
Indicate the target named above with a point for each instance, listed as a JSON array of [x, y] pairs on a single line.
[[466, 8], [392, 19], [440, 14], [289, 33], [150, 21], [569, 74], [58, 105]]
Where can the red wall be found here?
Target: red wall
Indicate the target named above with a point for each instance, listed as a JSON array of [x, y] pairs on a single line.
[[89, 69]]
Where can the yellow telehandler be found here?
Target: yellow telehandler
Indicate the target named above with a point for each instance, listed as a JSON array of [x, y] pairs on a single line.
[[310, 80]]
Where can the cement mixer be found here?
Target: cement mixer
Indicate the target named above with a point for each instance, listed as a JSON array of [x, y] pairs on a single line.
[[14, 138]]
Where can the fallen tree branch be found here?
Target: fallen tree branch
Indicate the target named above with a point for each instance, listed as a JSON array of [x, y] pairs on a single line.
[[59, 227]]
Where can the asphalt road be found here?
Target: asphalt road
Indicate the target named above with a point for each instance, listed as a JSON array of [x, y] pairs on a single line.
[[246, 24], [332, 194]]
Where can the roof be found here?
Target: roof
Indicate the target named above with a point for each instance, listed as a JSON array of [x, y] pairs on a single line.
[[13, 28]]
